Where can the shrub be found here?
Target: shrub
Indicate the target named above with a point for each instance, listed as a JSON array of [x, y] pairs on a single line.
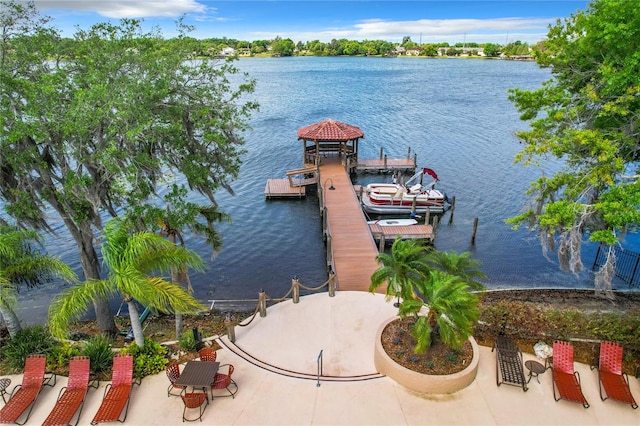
[[30, 340], [98, 349], [187, 342], [60, 355], [148, 360]]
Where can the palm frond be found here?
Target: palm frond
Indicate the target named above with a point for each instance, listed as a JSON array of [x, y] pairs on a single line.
[[73, 303]]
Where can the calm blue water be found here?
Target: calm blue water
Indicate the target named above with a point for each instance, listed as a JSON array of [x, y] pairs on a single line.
[[453, 113]]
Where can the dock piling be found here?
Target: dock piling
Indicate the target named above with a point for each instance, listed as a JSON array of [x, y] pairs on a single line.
[[453, 209], [475, 228]]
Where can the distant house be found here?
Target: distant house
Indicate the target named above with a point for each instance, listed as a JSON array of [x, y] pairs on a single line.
[[414, 52], [228, 51], [462, 51], [400, 50]]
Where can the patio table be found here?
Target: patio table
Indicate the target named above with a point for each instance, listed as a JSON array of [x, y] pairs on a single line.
[[198, 374]]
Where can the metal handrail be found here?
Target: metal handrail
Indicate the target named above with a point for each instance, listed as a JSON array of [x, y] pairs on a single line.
[[319, 361]]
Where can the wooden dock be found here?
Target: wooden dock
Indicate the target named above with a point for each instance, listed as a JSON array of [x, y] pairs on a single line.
[[386, 165], [390, 233], [282, 188], [352, 248], [294, 185]]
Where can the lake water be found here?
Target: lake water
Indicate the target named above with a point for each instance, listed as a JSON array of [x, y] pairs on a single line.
[[453, 113]]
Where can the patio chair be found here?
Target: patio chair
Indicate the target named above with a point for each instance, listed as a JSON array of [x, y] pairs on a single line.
[[224, 381], [173, 373], [207, 354], [24, 395], [565, 379], [194, 400], [71, 398], [509, 368], [117, 394], [612, 380]]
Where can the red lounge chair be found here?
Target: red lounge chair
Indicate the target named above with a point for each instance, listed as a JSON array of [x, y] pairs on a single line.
[[612, 380], [223, 381], [173, 373], [117, 393], [71, 398], [207, 354], [565, 379], [24, 395]]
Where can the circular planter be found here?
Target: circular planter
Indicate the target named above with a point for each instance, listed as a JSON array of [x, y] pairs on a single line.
[[419, 382]]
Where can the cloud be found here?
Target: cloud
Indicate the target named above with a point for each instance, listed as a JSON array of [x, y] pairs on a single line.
[[429, 30], [118, 9]]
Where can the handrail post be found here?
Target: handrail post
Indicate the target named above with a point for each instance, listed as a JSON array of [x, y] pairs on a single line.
[[332, 284], [295, 285], [319, 361], [262, 303]]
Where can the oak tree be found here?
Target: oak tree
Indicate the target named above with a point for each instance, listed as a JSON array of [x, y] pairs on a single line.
[[587, 116]]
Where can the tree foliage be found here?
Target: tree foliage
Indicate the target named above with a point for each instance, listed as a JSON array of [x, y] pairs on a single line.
[[587, 115], [131, 258], [22, 264], [94, 126]]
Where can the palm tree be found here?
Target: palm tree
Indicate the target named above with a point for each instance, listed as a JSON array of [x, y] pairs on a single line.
[[21, 264], [405, 266], [171, 222], [461, 265], [451, 310], [130, 257]]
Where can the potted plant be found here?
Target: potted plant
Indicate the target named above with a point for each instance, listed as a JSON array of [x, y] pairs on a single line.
[[437, 309]]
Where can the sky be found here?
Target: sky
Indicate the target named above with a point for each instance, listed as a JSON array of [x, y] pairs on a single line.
[[426, 21]]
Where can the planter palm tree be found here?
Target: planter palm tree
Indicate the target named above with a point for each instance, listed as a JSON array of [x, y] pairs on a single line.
[[130, 258], [21, 264], [401, 269], [450, 310], [458, 264]]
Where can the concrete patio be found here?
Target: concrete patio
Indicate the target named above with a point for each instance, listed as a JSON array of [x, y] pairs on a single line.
[[286, 343]]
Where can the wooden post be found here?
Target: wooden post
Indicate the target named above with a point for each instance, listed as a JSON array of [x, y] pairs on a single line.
[[385, 161], [295, 284], [382, 243], [381, 153], [415, 160], [453, 209], [262, 303], [230, 324], [409, 154], [427, 216], [413, 205], [475, 228], [435, 225], [332, 284]]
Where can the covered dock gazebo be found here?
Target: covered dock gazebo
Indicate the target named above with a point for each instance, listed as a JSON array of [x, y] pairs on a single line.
[[330, 138]]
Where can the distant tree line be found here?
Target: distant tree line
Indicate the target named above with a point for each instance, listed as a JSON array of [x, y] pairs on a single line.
[[286, 47]]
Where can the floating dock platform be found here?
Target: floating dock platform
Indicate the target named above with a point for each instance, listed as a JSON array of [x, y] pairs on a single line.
[[281, 188], [390, 233]]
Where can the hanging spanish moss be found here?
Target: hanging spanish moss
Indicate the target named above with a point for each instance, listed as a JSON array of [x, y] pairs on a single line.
[[605, 274]]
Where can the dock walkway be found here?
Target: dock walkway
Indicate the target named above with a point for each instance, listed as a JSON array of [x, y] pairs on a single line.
[[353, 249]]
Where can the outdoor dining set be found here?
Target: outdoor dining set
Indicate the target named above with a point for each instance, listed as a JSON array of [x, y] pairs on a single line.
[[613, 382], [197, 375]]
